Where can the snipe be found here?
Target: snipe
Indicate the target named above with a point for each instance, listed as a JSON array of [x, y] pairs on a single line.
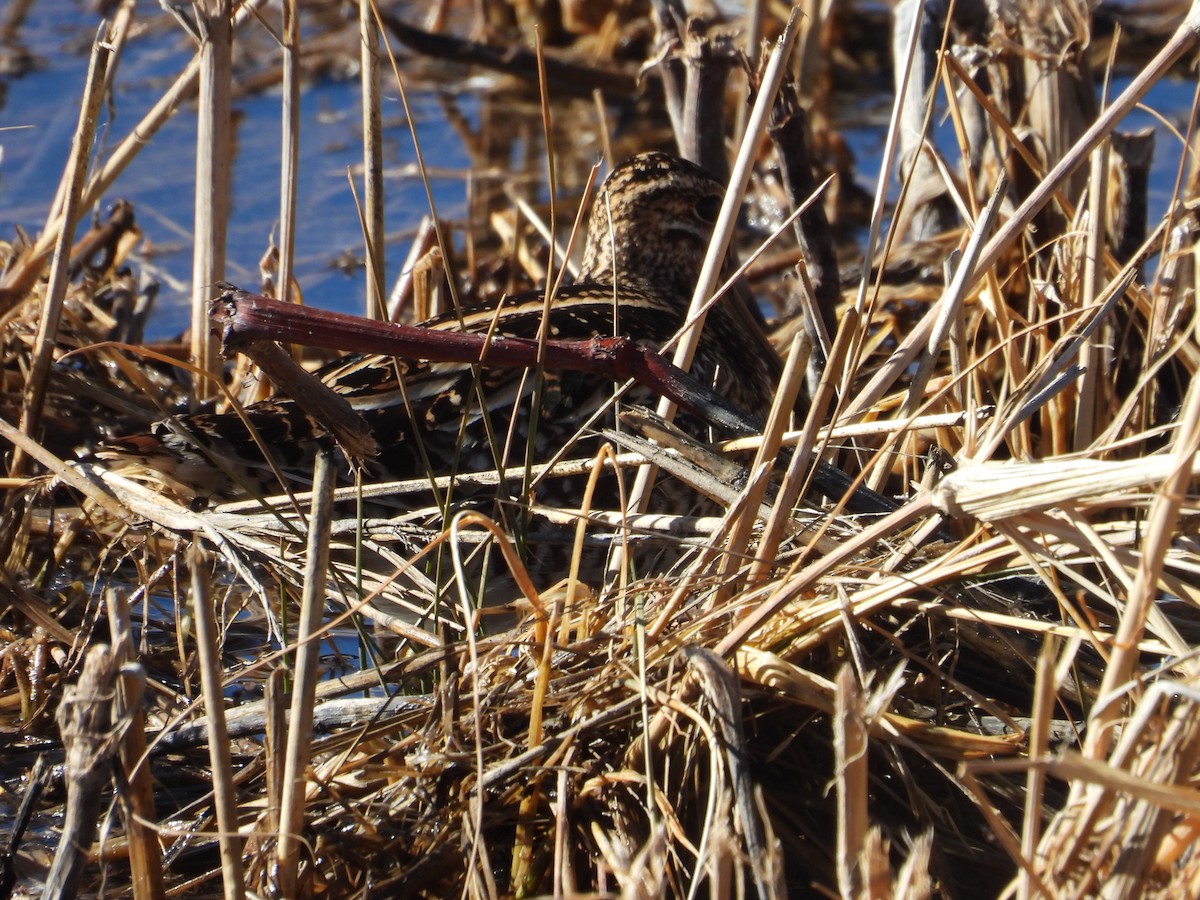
[[647, 236]]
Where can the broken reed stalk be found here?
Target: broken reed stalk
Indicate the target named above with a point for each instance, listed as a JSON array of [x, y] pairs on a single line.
[[1060, 96], [718, 247], [145, 852], [1088, 392], [789, 135], [755, 15], [72, 187], [850, 717], [212, 687], [86, 721], [928, 211], [1046, 686], [214, 178], [404, 290], [373, 194], [246, 317], [272, 723], [289, 175], [796, 478], [397, 27], [308, 659], [740, 531], [1181, 42], [708, 58], [670, 70], [118, 36]]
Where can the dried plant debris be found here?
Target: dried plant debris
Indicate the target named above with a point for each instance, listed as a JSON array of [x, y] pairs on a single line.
[[909, 608]]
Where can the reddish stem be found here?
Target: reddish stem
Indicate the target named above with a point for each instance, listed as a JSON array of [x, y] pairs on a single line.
[[243, 317]]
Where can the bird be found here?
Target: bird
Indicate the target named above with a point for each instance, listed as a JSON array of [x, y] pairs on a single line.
[[647, 237]]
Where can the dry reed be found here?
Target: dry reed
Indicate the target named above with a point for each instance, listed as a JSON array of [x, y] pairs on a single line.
[[987, 691]]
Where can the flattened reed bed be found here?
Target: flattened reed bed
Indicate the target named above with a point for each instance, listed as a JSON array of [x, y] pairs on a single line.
[[985, 691]]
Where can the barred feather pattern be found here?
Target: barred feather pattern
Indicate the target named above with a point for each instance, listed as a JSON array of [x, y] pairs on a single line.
[[647, 236]]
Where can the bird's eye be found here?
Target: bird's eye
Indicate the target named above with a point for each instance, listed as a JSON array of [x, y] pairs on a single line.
[[707, 209]]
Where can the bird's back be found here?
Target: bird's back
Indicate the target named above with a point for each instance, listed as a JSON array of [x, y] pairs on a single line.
[[649, 230]]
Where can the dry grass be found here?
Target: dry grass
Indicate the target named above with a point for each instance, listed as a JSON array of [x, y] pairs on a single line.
[[988, 691]]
